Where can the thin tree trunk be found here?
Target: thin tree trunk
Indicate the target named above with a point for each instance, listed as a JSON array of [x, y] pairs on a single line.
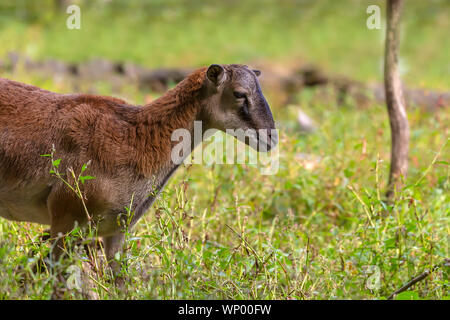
[[395, 100]]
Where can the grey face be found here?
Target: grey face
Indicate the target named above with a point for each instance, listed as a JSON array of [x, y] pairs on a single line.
[[237, 102]]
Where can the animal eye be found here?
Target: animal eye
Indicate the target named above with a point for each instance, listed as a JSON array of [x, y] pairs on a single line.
[[239, 95]]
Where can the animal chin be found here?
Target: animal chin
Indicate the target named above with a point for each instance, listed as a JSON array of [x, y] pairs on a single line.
[[263, 146], [258, 144], [266, 142]]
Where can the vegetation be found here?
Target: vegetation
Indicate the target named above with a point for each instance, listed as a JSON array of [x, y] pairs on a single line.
[[318, 229], [172, 33]]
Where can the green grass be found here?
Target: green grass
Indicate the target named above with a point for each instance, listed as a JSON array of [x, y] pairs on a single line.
[[320, 227], [308, 232]]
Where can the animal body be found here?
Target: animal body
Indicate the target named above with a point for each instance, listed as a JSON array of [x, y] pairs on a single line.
[[128, 147]]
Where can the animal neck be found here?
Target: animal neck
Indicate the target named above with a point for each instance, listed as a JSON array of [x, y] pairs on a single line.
[[179, 108]]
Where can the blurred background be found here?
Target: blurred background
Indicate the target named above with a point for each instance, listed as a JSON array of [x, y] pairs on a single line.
[[182, 33]]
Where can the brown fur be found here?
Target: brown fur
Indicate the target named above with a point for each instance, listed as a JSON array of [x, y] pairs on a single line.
[[128, 147]]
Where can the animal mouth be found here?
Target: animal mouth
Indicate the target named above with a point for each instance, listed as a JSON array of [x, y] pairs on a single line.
[[261, 140], [267, 139]]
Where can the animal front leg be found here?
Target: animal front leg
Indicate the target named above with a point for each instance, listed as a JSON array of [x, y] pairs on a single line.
[[113, 245], [65, 213], [40, 264], [58, 249]]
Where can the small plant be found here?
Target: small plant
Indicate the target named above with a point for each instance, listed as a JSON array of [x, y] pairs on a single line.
[[75, 179]]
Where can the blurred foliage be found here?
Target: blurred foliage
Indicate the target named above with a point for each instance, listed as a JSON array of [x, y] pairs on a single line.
[[332, 34]]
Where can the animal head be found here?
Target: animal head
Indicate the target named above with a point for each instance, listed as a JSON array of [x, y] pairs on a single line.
[[236, 103]]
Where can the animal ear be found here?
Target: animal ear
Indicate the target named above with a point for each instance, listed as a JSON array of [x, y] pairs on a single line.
[[215, 73], [257, 72]]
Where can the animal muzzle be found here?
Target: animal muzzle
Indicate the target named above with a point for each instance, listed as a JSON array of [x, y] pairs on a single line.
[[267, 139]]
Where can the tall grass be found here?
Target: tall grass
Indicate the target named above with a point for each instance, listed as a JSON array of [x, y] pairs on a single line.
[[318, 229]]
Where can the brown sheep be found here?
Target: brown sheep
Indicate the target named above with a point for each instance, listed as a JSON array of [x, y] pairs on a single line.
[[128, 147]]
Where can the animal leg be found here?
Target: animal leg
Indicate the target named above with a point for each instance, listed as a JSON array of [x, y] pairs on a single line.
[[114, 244]]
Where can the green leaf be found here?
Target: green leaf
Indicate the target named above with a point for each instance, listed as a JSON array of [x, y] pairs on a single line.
[[56, 162], [390, 243], [408, 295], [84, 178], [117, 256]]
